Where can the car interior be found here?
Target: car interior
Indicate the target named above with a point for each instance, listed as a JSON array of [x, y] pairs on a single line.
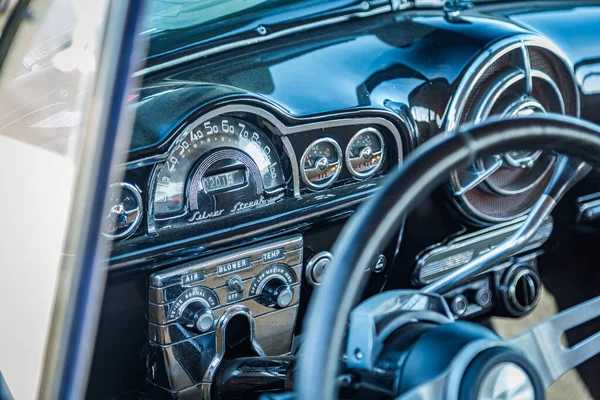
[[380, 199]]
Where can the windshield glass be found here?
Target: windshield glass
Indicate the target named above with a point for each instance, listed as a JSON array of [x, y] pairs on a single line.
[[180, 14]]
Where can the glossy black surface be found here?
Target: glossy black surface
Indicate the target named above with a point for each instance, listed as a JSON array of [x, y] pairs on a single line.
[[571, 27], [403, 67], [250, 378]]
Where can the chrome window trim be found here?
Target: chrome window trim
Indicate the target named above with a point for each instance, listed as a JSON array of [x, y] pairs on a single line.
[[80, 288]]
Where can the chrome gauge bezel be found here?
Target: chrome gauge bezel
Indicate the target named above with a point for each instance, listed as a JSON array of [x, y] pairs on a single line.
[[364, 175], [138, 219], [333, 177]]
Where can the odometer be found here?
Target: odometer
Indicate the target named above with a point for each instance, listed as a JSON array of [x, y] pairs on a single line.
[[224, 181], [217, 167]]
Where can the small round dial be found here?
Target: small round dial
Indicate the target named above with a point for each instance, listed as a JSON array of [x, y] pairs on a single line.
[[321, 163], [198, 301], [124, 211], [273, 286], [364, 154]]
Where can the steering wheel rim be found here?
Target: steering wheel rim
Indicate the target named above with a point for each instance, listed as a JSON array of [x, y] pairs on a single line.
[[423, 171]]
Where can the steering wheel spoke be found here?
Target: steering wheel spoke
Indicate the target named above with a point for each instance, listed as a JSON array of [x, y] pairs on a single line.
[[542, 343], [434, 389], [473, 176]]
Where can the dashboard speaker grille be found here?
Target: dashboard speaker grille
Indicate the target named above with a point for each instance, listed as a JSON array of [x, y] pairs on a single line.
[[501, 207], [497, 66], [543, 60], [497, 84]]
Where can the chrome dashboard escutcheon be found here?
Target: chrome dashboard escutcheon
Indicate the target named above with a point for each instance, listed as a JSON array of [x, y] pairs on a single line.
[[441, 259], [191, 306]]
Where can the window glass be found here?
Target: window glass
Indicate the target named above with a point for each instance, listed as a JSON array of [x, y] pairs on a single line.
[[43, 98]]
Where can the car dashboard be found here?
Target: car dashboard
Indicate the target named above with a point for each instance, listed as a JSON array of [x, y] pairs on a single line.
[[246, 161]]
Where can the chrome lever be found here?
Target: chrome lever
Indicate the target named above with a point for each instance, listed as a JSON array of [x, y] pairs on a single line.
[[542, 344], [568, 172]]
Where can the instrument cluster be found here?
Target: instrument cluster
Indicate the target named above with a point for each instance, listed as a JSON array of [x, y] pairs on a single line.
[[323, 159], [233, 165]]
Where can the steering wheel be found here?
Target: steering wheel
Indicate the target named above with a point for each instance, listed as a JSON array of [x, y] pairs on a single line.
[[374, 224]]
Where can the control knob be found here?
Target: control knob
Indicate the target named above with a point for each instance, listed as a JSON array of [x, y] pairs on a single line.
[[198, 316], [277, 292]]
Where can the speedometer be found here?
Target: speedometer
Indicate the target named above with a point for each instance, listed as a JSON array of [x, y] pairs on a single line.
[[217, 167]]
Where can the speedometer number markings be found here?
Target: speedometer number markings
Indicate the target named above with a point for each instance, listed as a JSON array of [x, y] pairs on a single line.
[[217, 167]]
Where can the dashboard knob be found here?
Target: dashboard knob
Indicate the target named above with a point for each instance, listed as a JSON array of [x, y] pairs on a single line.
[[235, 284], [198, 316], [459, 305], [277, 292]]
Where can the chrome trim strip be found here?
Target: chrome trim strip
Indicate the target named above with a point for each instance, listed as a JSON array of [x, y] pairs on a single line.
[[247, 42], [264, 230], [284, 130]]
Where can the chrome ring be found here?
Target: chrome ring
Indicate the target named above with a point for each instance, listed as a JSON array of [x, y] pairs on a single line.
[[140, 209], [370, 173], [333, 177]]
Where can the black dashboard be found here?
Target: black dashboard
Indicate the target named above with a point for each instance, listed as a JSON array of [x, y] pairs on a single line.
[[245, 164]]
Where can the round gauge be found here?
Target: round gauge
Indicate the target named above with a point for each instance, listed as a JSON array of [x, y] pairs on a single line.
[[321, 163], [124, 211], [217, 167], [364, 154]]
